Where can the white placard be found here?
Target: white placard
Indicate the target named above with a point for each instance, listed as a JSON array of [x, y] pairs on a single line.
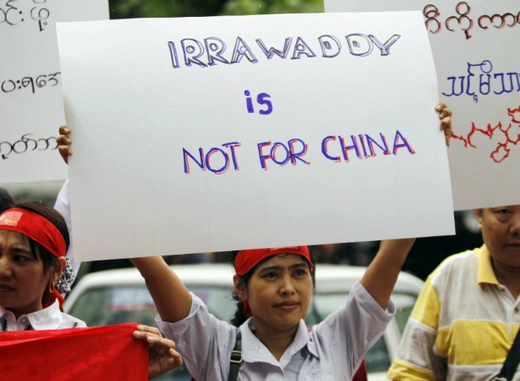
[[474, 46], [176, 151], [31, 101]]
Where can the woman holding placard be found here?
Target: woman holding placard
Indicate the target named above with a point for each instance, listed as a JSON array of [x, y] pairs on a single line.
[[274, 287], [33, 243]]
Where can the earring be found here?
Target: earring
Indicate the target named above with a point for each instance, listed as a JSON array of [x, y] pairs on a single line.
[[51, 288]]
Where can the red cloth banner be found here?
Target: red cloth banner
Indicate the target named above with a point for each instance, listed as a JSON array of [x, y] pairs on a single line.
[[361, 374], [81, 354]]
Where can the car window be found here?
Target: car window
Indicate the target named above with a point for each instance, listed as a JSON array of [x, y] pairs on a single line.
[[404, 304], [115, 305]]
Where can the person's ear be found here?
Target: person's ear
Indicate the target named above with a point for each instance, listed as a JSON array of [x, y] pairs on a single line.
[[240, 288], [479, 214], [57, 269]]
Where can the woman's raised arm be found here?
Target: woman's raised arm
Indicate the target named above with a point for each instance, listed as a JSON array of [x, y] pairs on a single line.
[[171, 297], [380, 278]]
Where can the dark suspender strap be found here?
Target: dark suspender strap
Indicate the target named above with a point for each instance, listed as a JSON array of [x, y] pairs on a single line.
[[236, 359], [508, 370]]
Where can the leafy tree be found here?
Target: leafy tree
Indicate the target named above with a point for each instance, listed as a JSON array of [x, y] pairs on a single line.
[[252, 7], [188, 8], [164, 8]]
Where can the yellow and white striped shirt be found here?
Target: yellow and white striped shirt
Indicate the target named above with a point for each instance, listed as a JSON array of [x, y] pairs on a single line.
[[462, 326]]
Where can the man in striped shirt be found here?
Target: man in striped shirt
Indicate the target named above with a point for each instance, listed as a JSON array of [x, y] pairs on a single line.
[[468, 314]]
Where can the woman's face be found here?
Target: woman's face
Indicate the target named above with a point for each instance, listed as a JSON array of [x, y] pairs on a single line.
[[22, 279], [280, 293]]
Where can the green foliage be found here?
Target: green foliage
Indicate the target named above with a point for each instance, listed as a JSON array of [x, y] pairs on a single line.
[[252, 7], [189, 8], [164, 8]]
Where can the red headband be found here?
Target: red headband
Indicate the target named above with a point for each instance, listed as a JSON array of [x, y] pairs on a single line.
[[247, 259], [35, 227]]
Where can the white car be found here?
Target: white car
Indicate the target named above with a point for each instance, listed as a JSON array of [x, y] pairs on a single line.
[[119, 296]]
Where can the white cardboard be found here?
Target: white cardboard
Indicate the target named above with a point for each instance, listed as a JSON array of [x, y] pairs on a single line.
[[31, 101], [133, 109], [485, 155]]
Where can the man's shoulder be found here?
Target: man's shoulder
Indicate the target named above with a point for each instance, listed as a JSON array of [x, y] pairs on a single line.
[[461, 258], [456, 264]]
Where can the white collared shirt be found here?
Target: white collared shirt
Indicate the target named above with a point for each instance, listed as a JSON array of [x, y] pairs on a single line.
[[333, 349], [47, 318]]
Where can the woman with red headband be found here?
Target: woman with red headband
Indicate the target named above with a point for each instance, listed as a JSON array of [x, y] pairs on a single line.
[[33, 244], [275, 289], [32, 257]]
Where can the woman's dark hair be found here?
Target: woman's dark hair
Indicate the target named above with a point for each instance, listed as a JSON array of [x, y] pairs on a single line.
[[6, 201], [55, 218], [240, 316]]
